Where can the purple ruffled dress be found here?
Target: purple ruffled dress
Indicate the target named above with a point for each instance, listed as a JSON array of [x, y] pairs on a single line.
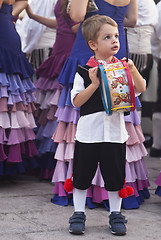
[[48, 91], [16, 100]]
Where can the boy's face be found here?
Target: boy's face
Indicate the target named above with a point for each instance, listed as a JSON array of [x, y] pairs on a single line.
[[107, 43]]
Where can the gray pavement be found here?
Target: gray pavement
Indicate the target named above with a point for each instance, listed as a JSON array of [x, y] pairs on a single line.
[[26, 212]]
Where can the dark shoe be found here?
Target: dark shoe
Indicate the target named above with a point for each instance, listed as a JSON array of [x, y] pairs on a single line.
[[77, 223], [117, 223], [155, 152]]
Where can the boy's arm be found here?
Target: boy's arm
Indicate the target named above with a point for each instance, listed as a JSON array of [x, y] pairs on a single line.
[[139, 81], [83, 96]]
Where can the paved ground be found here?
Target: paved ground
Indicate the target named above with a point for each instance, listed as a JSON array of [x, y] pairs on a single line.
[[26, 213]]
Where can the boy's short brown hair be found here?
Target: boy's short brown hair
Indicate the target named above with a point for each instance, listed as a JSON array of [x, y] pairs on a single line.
[[92, 25]]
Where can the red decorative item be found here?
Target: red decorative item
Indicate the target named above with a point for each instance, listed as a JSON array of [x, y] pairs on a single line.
[[123, 193], [126, 191], [68, 185], [130, 191]]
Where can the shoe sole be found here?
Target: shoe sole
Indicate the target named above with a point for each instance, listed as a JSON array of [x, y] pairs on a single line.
[[117, 233], [76, 232]]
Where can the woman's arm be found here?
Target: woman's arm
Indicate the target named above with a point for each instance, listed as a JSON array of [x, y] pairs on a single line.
[[1, 1], [132, 14], [78, 10], [9, 2], [51, 23], [19, 6], [75, 28]]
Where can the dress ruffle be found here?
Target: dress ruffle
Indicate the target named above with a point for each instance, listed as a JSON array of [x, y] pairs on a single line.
[[16, 136], [14, 153], [16, 89], [16, 116], [65, 132], [47, 98], [17, 119], [47, 84], [135, 134]]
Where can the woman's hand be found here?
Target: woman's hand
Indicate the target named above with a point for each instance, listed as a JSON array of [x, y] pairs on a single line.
[[48, 22]]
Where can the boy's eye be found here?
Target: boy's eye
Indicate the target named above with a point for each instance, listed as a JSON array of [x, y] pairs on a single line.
[[116, 36], [107, 37]]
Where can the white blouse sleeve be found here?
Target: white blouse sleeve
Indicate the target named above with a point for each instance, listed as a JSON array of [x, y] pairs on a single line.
[[78, 86]]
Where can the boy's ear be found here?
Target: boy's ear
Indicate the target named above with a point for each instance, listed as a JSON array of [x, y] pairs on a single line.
[[92, 45]]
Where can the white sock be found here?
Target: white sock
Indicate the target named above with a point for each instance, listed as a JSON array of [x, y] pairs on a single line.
[[114, 201], [79, 199]]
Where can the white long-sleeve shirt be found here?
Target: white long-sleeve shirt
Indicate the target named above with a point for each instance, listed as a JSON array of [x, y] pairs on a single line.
[[98, 127]]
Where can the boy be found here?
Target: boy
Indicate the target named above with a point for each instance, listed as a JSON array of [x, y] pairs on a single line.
[[99, 138]]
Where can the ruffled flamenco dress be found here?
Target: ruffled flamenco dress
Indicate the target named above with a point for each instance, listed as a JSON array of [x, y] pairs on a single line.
[[17, 148], [67, 116], [48, 91]]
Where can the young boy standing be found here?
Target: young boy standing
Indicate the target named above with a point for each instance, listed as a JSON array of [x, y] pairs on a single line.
[[100, 138]]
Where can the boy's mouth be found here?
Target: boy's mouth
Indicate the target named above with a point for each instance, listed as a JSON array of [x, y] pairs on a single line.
[[114, 48]]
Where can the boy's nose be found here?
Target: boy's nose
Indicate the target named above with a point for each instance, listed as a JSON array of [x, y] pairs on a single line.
[[114, 40]]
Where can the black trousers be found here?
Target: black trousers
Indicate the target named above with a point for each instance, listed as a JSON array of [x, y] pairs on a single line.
[[110, 156]]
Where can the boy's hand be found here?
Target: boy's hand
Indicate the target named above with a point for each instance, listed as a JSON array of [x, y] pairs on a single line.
[[93, 76], [130, 64]]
